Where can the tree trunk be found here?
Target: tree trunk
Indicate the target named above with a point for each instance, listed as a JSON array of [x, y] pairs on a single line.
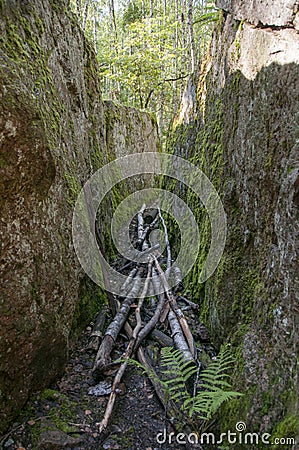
[[78, 9], [85, 14], [151, 9], [95, 32], [191, 35], [112, 19]]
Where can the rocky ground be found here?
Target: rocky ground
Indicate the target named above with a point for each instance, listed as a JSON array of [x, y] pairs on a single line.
[[67, 415]]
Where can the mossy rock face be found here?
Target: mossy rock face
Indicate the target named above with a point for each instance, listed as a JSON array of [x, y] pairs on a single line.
[[53, 138], [242, 134]]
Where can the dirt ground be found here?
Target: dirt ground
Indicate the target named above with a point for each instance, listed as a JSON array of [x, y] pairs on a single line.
[[67, 416]]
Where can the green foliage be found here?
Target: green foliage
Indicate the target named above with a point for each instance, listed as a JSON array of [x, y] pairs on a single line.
[[132, 14], [287, 428], [178, 371], [208, 15], [213, 388], [145, 48], [137, 67]]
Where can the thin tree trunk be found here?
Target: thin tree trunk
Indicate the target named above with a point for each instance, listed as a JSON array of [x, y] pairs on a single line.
[[112, 19], [175, 100], [191, 34], [184, 40], [95, 32], [151, 9], [85, 14], [78, 8]]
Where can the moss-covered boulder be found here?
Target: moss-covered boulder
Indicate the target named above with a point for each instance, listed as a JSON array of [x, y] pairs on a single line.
[[242, 130], [52, 138]]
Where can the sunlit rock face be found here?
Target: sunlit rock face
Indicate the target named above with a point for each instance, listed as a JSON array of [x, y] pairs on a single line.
[[53, 136], [283, 13], [243, 132]]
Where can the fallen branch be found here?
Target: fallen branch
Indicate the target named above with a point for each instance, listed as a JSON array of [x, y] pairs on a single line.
[[177, 310], [146, 231], [107, 345], [168, 263], [140, 221], [129, 280], [147, 329], [97, 332], [178, 337], [192, 304], [161, 338], [126, 355], [165, 310], [154, 319], [178, 420]]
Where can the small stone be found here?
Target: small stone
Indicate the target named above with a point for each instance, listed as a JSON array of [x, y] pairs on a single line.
[[110, 444], [31, 422], [87, 412], [121, 389], [56, 440], [115, 429], [102, 388]]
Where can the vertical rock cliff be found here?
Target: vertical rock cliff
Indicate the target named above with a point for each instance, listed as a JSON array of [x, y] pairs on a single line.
[[239, 123], [53, 136]]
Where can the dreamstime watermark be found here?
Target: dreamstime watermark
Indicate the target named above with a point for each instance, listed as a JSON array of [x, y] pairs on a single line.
[[103, 181], [238, 436]]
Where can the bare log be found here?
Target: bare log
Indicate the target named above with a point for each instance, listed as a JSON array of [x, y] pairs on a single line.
[[177, 275], [140, 221], [168, 263], [97, 332], [107, 345], [154, 319], [129, 280], [164, 313], [161, 338], [178, 337], [176, 330], [183, 322], [178, 420], [192, 304], [127, 354], [177, 310]]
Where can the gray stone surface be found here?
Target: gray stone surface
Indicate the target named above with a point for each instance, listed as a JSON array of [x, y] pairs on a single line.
[[280, 13], [247, 143], [52, 137]]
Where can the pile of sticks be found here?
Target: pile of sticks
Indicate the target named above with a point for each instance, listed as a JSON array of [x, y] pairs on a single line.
[[166, 311]]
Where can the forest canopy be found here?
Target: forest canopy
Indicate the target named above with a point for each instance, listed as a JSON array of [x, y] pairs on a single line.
[[146, 49]]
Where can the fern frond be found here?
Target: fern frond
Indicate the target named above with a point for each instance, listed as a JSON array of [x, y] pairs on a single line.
[[214, 385], [175, 365]]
